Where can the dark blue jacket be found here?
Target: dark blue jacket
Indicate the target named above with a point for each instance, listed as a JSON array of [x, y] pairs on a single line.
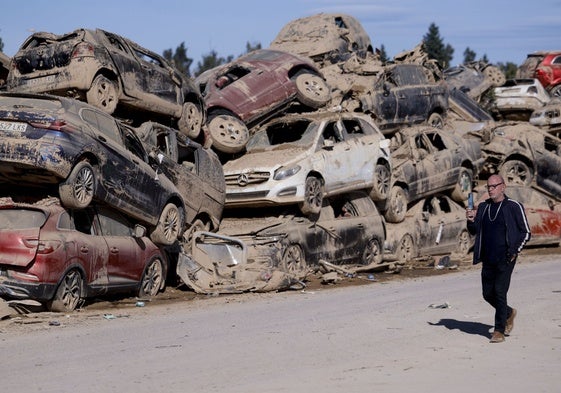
[[517, 228]]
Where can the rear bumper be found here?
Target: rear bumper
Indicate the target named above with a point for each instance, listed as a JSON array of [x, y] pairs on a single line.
[[19, 290]]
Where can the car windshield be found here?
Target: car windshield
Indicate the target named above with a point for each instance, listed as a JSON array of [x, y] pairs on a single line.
[[283, 135], [21, 218]]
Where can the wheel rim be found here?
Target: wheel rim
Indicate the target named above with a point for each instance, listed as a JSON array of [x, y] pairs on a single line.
[[406, 249], [517, 173], [398, 203], [71, 290], [293, 259], [84, 185], [228, 131], [372, 253], [105, 94], [171, 224], [153, 278], [314, 194], [463, 243], [382, 183], [314, 87], [191, 119]]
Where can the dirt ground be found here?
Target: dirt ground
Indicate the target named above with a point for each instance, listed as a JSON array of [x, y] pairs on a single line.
[[33, 317]]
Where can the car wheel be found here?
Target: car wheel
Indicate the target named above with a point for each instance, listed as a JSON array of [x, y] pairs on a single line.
[[293, 260], [313, 196], [312, 90], [406, 249], [372, 253], [397, 205], [78, 190], [436, 120], [516, 172], [555, 91], [198, 225], [103, 94], [494, 75], [191, 120], [464, 243], [169, 226], [229, 134], [463, 185], [68, 294], [382, 179], [152, 279]]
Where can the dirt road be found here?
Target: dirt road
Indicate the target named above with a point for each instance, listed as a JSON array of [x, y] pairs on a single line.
[[378, 337]]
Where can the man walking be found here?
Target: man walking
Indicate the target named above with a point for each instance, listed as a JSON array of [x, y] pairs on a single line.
[[501, 230]]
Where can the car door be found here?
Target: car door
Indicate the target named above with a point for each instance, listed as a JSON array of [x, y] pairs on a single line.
[[444, 223], [412, 92]]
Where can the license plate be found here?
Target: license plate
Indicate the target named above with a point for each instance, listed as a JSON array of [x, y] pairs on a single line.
[[41, 80], [12, 126]]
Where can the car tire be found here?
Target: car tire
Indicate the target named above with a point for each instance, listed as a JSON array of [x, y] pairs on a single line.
[[293, 260], [463, 186], [406, 249], [382, 180], [555, 91], [435, 120], [396, 205], [196, 226], [69, 293], [152, 279], [229, 134], [464, 243], [313, 196], [191, 120], [103, 94], [516, 172], [79, 188], [312, 90], [373, 253], [169, 226]]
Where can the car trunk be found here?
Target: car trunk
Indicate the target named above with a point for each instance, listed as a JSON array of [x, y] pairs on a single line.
[[19, 235]]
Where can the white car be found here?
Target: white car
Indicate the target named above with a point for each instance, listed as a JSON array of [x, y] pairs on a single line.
[[300, 159]]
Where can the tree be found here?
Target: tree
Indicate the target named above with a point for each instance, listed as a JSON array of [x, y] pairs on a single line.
[[383, 54], [509, 69], [435, 48], [469, 55], [1, 45], [179, 59], [251, 47], [210, 61]]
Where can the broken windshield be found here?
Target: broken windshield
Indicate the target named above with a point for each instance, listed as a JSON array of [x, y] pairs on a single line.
[[282, 135]]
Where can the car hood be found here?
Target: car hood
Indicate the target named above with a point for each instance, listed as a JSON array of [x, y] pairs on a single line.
[[266, 160]]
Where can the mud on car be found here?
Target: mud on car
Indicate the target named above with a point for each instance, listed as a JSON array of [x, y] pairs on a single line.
[[110, 72], [241, 94], [300, 159], [60, 257], [83, 154]]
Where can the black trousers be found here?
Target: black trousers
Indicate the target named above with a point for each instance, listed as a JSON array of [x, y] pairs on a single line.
[[495, 280]]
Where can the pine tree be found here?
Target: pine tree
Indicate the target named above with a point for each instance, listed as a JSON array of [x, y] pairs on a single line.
[[179, 59], [469, 55], [435, 48]]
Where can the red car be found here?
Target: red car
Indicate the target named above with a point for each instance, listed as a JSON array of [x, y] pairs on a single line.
[[544, 66], [60, 257], [253, 88]]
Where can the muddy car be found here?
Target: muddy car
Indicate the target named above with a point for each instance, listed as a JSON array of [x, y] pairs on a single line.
[[548, 117], [435, 225], [523, 154], [61, 257], [427, 161], [196, 172], [325, 38], [474, 78], [518, 98], [4, 70], [543, 213], [403, 95], [544, 66], [348, 230], [300, 159], [110, 72], [83, 154], [254, 87]]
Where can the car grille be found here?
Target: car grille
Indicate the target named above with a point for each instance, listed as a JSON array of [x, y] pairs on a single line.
[[244, 179], [246, 195]]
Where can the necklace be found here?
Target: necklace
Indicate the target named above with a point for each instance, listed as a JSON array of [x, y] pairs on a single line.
[[496, 213]]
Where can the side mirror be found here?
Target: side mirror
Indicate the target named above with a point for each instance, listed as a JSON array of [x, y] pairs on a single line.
[[139, 231]]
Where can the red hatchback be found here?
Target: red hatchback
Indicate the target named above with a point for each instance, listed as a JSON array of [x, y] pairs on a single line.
[[544, 66], [60, 257]]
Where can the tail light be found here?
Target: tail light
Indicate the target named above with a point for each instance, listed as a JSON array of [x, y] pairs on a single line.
[[42, 246], [83, 49], [51, 125]]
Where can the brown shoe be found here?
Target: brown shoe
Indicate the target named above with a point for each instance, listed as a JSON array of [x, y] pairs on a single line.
[[497, 337], [510, 322]]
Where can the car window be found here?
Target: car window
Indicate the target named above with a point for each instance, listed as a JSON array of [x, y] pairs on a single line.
[[113, 223], [104, 124], [148, 58], [353, 128], [344, 208], [409, 75], [436, 140], [115, 41], [333, 132], [21, 218], [557, 60], [80, 220], [133, 144], [300, 133]]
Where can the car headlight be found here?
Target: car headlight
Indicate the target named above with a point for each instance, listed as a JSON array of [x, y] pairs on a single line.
[[283, 173]]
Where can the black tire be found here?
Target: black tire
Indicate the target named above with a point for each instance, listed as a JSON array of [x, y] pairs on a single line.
[[516, 172], [396, 205], [191, 120], [382, 181], [169, 227], [406, 250], [78, 190], [152, 279], [464, 243], [229, 134], [293, 260], [463, 186], [555, 91], [313, 196], [69, 293], [373, 253], [103, 94], [312, 90], [198, 225], [435, 120]]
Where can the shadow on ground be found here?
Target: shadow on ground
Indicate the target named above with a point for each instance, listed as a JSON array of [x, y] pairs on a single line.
[[468, 327]]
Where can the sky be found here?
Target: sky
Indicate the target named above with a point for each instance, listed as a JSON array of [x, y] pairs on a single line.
[[503, 30]]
